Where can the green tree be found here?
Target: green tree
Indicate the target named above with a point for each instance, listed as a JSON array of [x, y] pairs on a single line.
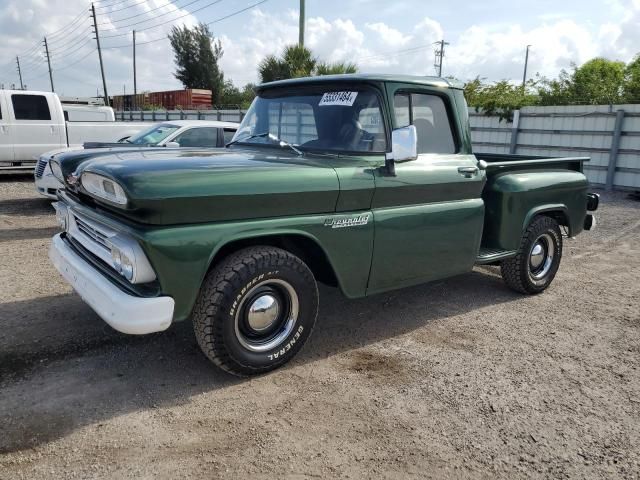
[[298, 61], [599, 81], [196, 55], [499, 98], [632, 81], [232, 95], [336, 68], [557, 91]]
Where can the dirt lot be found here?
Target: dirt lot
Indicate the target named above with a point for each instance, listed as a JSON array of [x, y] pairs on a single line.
[[460, 378]]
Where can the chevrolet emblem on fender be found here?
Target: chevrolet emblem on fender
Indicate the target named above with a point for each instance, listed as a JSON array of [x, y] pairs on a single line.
[[347, 221]]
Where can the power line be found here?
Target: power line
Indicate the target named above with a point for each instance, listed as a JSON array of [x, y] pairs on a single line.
[[170, 2], [70, 52], [209, 23], [72, 42], [124, 8], [64, 31], [77, 61], [396, 52], [163, 23]]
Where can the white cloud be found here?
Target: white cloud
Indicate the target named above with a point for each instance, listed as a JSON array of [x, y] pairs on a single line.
[[494, 51]]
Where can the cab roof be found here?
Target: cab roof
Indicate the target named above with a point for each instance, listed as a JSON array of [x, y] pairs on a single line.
[[365, 77]]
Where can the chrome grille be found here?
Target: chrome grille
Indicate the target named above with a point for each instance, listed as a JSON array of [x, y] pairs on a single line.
[[93, 233], [42, 164]]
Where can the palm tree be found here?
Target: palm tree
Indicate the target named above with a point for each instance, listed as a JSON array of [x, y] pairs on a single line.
[[336, 68], [298, 61]]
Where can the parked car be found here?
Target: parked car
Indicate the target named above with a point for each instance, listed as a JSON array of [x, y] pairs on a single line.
[[181, 133], [364, 182], [32, 123]]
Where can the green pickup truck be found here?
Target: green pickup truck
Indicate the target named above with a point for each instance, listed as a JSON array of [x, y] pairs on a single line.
[[364, 182]]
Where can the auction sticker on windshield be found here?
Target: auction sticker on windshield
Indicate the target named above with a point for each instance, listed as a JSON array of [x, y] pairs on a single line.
[[338, 98]]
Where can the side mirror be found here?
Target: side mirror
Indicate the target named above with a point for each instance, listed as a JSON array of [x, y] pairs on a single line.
[[172, 145], [404, 147]]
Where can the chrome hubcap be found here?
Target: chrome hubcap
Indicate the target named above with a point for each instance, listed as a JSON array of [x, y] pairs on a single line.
[[537, 255], [263, 312], [541, 258], [266, 315]]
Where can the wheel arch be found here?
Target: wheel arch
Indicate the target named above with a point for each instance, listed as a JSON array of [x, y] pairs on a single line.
[[558, 212], [303, 245]]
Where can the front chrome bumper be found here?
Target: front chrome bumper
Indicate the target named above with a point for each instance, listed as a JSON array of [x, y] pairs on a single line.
[[124, 312]]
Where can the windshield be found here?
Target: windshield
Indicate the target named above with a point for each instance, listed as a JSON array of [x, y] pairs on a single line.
[[153, 135], [347, 120]]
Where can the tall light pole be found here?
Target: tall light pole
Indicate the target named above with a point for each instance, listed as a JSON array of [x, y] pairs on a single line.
[[526, 62], [301, 25]]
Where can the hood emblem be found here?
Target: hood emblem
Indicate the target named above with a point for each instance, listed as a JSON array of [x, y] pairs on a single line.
[[72, 179]]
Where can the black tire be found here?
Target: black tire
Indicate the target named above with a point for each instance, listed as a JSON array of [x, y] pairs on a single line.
[[229, 329], [521, 272]]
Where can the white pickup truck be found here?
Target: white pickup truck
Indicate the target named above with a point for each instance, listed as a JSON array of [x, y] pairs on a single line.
[[32, 123]]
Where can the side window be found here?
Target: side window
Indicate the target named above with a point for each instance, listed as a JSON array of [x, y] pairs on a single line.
[[198, 137], [228, 135], [429, 115], [30, 107], [292, 122]]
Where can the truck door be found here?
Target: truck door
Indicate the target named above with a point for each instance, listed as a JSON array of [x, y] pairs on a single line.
[[36, 126], [429, 216], [6, 144]]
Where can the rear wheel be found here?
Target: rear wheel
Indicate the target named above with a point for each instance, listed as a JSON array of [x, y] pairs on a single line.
[[534, 267], [255, 310]]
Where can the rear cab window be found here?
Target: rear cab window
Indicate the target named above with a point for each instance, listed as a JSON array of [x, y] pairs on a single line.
[[428, 113], [30, 107]]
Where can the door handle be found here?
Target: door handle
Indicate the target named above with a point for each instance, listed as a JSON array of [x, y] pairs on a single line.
[[468, 172]]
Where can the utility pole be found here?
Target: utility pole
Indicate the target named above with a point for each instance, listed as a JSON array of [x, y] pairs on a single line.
[[19, 73], [135, 85], [46, 50], [526, 61], [104, 82], [440, 56], [301, 26]]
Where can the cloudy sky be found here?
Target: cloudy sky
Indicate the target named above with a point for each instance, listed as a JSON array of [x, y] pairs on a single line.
[[486, 38]]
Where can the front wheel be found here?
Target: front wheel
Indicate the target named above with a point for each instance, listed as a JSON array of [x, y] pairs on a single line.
[[255, 310], [534, 267]]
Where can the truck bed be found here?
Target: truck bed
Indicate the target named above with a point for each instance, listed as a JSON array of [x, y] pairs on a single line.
[[521, 186], [509, 162]]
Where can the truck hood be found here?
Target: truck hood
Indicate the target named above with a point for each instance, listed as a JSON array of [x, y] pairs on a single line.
[[167, 187]]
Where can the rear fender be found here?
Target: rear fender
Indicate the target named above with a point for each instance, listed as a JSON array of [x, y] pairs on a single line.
[[558, 211]]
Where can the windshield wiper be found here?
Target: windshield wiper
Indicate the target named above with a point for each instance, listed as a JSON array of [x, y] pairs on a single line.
[[270, 136]]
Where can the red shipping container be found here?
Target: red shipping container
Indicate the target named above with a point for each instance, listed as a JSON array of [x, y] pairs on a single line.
[[189, 99]]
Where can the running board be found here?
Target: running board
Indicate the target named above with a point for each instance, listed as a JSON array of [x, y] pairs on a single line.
[[491, 255]]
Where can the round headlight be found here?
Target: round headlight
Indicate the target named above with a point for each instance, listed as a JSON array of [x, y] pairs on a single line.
[[56, 170], [127, 267]]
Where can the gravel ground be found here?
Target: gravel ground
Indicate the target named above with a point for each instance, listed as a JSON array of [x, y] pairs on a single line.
[[459, 378]]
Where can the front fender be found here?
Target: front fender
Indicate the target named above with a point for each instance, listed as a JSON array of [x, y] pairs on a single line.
[[182, 255]]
